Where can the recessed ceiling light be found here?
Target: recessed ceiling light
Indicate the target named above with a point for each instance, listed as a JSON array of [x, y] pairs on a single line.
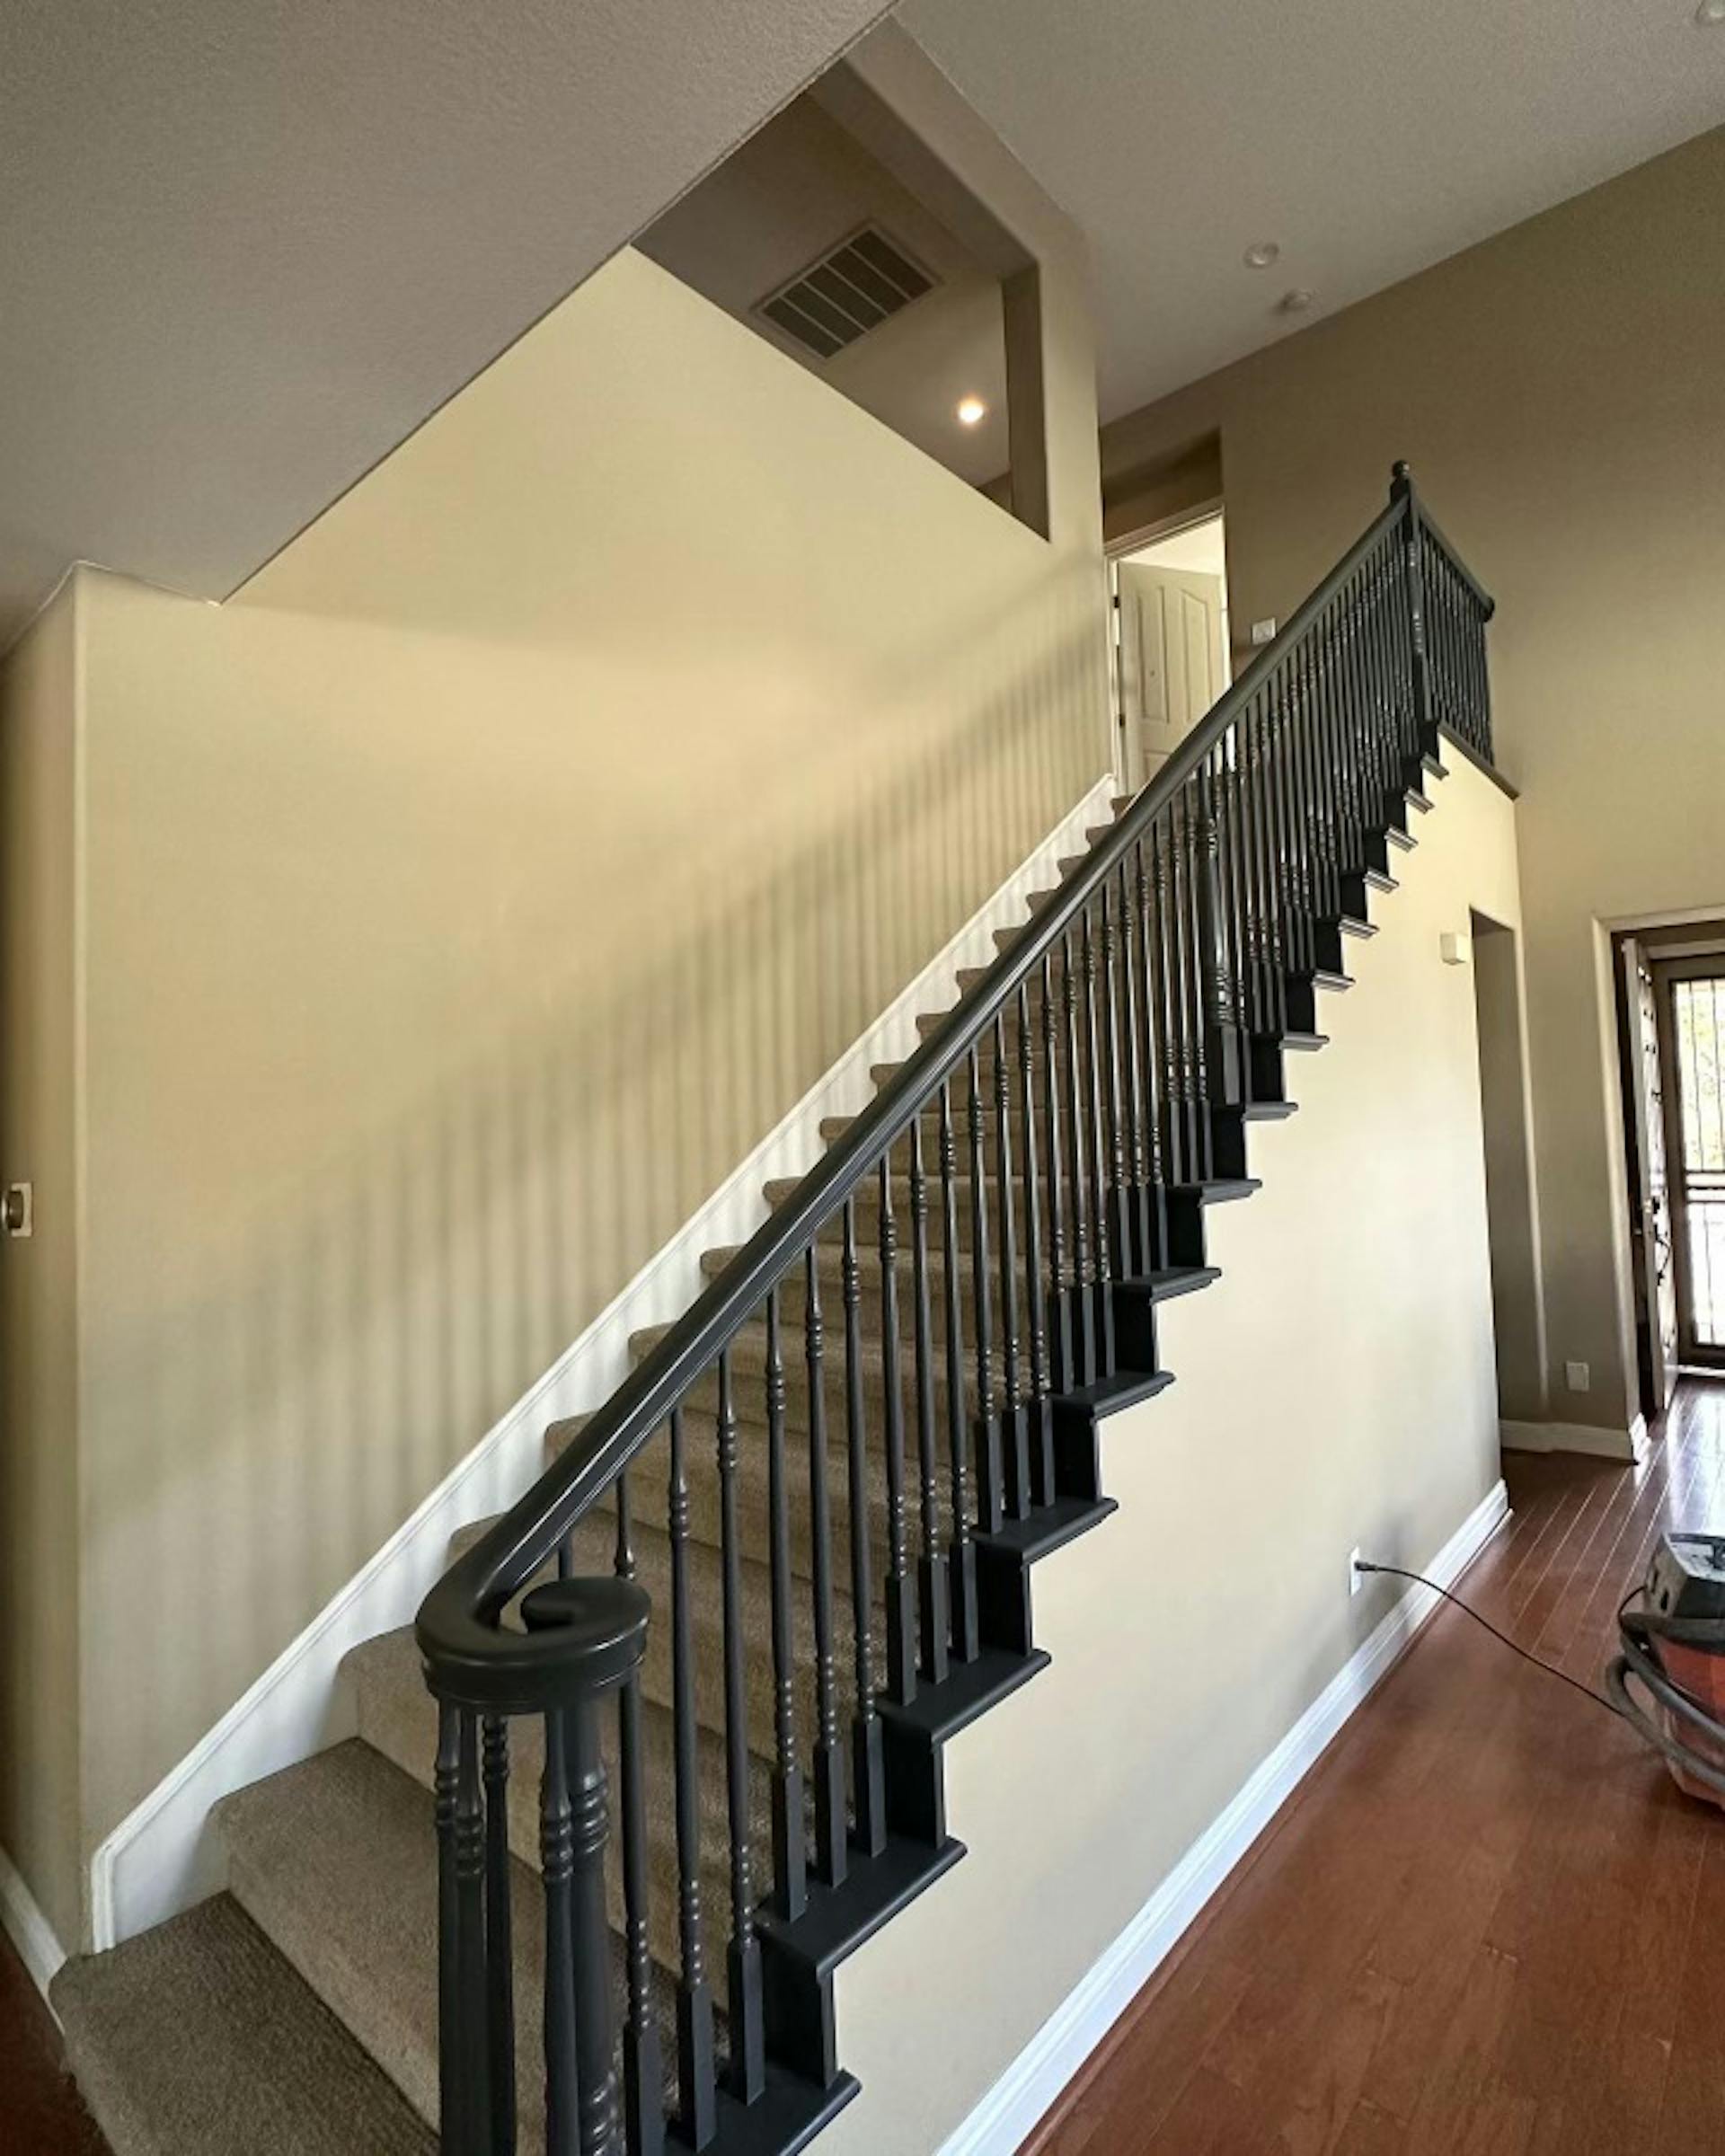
[[1711, 13], [1261, 253], [972, 412], [1295, 301]]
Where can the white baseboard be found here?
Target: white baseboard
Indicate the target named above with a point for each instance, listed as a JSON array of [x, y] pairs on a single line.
[[1577, 1437], [1033, 2082], [160, 1859], [39, 1948]]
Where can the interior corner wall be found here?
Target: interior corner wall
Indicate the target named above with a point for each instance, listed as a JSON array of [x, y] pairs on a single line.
[[1556, 390], [470, 894], [39, 1782]]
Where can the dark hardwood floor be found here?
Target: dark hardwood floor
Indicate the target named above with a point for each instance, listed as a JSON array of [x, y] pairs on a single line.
[[1488, 1924], [41, 2114]]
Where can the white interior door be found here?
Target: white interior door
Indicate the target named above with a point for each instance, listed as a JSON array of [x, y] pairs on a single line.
[[1173, 659]]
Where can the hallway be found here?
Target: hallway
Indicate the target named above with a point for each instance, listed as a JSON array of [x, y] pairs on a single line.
[[1488, 1925]]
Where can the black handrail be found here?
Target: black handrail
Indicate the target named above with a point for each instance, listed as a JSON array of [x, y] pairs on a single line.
[[484, 1667], [1135, 1027]]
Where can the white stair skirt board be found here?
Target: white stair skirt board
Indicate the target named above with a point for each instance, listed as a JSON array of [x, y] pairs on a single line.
[[1025, 2093], [28, 1928], [159, 1860], [1629, 1444]]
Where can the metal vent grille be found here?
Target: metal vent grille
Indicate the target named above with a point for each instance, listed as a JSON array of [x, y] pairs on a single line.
[[846, 293]]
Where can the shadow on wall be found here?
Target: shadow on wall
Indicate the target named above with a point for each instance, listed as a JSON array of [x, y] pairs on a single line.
[[265, 1432]]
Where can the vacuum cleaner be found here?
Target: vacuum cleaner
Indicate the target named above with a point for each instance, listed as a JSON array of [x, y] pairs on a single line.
[[1672, 1652]]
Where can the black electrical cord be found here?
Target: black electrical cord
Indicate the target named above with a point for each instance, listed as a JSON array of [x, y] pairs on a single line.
[[1550, 1668]]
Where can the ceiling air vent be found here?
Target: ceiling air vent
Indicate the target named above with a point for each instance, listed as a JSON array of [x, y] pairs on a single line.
[[862, 280]]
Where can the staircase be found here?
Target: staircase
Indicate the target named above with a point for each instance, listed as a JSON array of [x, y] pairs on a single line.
[[668, 1742]]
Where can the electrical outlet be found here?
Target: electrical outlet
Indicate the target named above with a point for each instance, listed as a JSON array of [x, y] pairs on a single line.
[[1578, 1377], [1356, 1577]]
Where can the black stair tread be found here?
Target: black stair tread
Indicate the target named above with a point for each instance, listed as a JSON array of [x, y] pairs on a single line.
[[1379, 879], [1269, 1111], [839, 1918], [1304, 1044], [1418, 798], [1050, 1527], [1397, 836], [1170, 1280], [968, 1690], [1220, 1191], [1322, 977], [784, 2118], [1125, 1388], [1434, 768], [1350, 924]]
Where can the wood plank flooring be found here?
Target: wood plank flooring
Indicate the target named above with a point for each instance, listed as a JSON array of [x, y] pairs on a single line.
[[41, 2111], [1488, 1924]]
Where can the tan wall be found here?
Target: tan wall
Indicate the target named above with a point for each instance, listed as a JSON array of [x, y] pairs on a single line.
[[1557, 391], [468, 896], [1336, 1390], [39, 1376]]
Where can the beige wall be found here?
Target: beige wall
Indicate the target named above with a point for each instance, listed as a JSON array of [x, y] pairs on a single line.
[[39, 1375], [1190, 1631], [471, 893], [1557, 391]]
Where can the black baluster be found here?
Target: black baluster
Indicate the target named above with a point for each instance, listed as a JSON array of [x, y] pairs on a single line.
[[902, 1586], [962, 1568], [1083, 1271], [500, 1953], [1223, 1058], [697, 2091], [643, 2079], [1135, 1260], [1040, 1411], [1063, 1344], [747, 2075], [869, 1758], [1016, 1436], [1175, 1148], [990, 1496], [1096, 1140], [557, 1871], [1155, 1204], [461, 1995], [830, 1822], [935, 1616], [789, 1857], [1120, 1237], [470, 1893]]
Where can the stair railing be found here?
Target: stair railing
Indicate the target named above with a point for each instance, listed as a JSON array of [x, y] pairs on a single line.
[[1042, 1151]]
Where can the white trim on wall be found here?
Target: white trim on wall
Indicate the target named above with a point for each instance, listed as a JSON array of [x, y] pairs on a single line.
[[28, 1929], [1629, 1444], [1033, 2082], [160, 1859]]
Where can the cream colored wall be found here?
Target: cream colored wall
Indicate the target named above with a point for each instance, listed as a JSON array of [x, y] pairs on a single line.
[[39, 1375], [1336, 1390], [470, 894], [1557, 392]]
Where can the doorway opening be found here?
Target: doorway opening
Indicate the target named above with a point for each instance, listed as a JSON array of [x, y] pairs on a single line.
[[1670, 983], [1512, 1214], [1169, 654]]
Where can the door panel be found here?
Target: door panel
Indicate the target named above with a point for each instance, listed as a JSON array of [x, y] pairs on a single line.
[[1174, 662], [1697, 1024], [1650, 1224]]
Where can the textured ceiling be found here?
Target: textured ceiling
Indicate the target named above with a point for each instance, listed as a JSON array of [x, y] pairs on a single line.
[[247, 245], [1368, 138]]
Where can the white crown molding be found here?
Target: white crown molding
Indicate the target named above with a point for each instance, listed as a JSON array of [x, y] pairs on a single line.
[[1033, 2082], [28, 1929], [161, 1859]]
